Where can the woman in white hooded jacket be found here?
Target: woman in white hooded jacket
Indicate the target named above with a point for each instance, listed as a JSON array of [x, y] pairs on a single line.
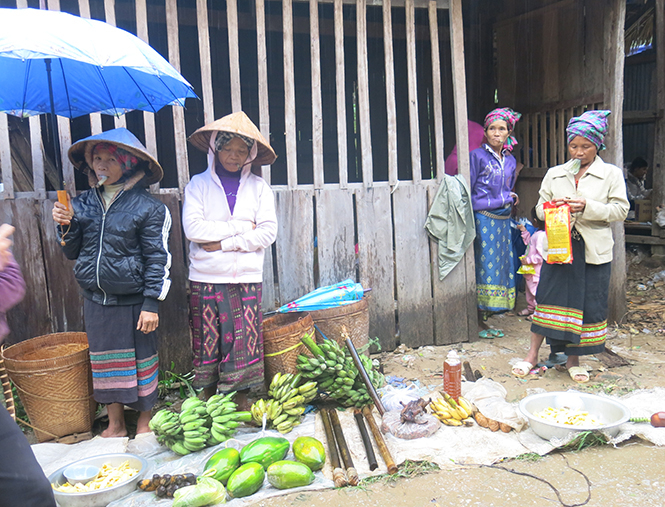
[[229, 218]]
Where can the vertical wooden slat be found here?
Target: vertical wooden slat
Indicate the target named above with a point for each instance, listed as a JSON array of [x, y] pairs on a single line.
[[95, 118], [180, 134], [615, 18], [658, 197], [234, 54], [264, 110], [289, 96], [295, 245], [363, 94], [450, 294], [542, 138], [340, 94], [535, 143], [436, 88], [204, 53], [526, 139], [562, 136], [412, 79], [335, 236], [317, 107], [148, 116], [109, 14], [6, 159], [412, 266], [375, 256], [391, 107], [462, 131]]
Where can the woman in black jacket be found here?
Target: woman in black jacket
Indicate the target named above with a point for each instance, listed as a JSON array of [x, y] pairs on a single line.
[[118, 233]]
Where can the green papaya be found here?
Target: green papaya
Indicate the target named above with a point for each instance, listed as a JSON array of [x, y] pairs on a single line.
[[225, 462], [310, 451], [289, 474], [265, 450], [246, 480]]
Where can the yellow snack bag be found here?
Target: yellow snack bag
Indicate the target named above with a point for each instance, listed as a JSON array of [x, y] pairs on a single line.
[[557, 228]]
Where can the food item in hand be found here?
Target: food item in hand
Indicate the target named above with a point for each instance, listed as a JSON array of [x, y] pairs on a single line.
[[310, 451], [225, 462], [289, 474], [265, 450], [107, 477], [557, 228], [246, 480]]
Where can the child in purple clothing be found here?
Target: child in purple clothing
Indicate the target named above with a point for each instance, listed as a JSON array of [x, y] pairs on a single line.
[[532, 260]]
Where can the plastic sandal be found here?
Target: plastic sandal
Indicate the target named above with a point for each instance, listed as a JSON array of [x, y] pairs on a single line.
[[496, 333], [486, 333]]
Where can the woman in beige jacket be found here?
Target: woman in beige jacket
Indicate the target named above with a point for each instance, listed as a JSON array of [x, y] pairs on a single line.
[[571, 309]]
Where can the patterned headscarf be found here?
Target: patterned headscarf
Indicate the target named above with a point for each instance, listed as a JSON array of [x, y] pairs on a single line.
[[510, 117], [127, 160], [591, 125], [224, 137]]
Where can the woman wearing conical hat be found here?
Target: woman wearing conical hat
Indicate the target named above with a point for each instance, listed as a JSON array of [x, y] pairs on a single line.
[[229, 218], [118, 233]]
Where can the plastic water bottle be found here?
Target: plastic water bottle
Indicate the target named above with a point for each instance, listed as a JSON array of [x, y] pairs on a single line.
[[452, 375]]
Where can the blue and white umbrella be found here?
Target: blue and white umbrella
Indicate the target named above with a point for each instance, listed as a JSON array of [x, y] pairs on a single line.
[[54, 62], [331, 296]]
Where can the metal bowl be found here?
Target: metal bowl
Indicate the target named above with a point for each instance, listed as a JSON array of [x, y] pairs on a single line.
[[102, 497], [610, 413]]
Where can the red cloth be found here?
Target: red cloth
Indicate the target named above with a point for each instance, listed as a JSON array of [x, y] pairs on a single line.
[[476, 139]]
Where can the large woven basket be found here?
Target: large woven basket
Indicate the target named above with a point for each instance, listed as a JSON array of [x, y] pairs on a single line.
[[54, 380], [281, 341], [354, 318]]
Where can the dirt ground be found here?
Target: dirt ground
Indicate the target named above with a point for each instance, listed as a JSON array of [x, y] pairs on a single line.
[[629, 474]]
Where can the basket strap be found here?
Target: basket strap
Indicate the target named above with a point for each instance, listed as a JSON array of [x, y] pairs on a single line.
[[6, 385], [284, 351], [52, 399]]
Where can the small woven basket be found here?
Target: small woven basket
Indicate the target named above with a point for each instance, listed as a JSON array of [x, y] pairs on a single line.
[[53, 377], [353, 317], [281, 341]]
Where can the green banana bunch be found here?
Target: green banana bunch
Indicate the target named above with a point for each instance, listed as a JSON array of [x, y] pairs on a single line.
[[165, 424]]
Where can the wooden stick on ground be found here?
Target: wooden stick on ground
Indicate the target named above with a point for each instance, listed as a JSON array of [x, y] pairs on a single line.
[[339, 477], [380, 442], [351, 472]]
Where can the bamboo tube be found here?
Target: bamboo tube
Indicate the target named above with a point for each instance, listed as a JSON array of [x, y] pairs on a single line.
[[380, 442], [351, 472], [363, 374], [339, 477], [371, 457]]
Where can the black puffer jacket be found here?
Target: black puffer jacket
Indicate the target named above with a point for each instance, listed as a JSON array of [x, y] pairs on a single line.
[[121, 254]]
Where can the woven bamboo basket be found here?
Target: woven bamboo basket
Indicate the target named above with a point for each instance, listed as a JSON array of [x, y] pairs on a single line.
[[281, 341], [353, 317], [54, 380]]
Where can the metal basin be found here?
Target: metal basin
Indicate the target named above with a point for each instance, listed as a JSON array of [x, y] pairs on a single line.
[[102, 497], [610, 413]]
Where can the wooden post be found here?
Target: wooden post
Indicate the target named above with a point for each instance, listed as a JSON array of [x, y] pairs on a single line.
[[436, 88], [412, 80], [317, 106], [340, 83], [658, 197], [204, 53], [462, 131], [180, 135], [289, 96], [363, 95], [234, 54], [262, 59], [391, 107], [615, 16], [6, 159]]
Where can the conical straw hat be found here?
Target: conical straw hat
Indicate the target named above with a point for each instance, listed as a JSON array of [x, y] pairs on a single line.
[[81, 151], [236, 123]]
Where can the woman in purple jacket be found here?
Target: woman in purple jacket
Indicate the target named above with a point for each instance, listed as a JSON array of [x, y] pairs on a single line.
[[493, 175], [22, 480]]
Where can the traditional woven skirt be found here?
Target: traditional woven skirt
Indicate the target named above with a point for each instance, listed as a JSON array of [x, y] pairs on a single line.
[[125, 364], [227, 321], [572, 304], [493, 247]]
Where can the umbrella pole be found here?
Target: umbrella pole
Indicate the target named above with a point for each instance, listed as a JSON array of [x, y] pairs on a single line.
[[54, 124]]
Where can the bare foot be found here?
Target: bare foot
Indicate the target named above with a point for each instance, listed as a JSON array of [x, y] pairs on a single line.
[[114, 432], [142, 423], [116, 426]]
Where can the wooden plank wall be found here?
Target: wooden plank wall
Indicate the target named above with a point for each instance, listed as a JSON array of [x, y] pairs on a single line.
[[371, 231]]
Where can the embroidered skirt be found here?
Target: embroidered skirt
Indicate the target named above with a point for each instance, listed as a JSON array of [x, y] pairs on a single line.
[[227, 321], [572, 304], [125, 364], [493, 247]]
